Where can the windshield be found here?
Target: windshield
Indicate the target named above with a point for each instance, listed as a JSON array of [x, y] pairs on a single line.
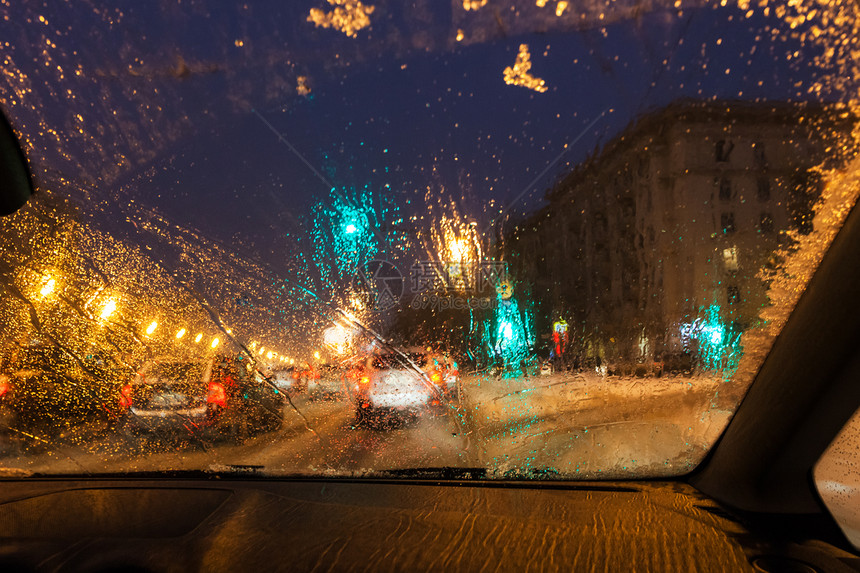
[[534, 239], [166, 372]]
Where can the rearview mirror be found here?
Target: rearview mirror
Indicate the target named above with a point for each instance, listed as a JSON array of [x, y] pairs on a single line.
[[16, 185]]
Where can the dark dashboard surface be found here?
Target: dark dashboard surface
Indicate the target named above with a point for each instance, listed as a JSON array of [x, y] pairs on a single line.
[[262, 525]]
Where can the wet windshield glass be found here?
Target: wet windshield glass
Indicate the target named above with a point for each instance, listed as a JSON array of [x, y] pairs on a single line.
[[534, 239]]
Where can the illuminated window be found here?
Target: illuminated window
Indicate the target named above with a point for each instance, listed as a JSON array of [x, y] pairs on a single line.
[[730, 258]]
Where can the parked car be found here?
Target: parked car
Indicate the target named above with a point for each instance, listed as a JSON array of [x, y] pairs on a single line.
[[214, 398], [326, 385], [285, 379], [46, 389]]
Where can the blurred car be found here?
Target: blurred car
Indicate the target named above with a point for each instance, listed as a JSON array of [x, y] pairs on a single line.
[[353, 371], [214, 398], [295, 379], [444, 372], [47, 388], [326, 384], [308, 374], [285, 379], [403, 384]]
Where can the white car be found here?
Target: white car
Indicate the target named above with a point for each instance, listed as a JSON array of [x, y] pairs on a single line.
[[399, 384], [283, 379]]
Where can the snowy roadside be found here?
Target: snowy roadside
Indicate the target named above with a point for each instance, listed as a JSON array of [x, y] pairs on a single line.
[[584, 423], [494, 400]]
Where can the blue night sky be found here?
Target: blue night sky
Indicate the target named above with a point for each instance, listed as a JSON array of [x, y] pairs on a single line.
[[391, 117]]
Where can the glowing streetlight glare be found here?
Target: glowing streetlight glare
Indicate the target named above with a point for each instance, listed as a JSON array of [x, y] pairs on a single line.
[[109, 308], [337, 338], [253, 345], [459, 250], [151, 328], [47, 288], [260, 352], [269, 355], [181, 333], [317, 354], [199, 337], [215, 342]]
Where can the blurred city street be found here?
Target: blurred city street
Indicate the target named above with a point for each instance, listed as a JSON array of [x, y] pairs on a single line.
[[582, 424]]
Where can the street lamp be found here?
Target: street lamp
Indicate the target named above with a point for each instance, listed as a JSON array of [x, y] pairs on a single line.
[[108, 309], [180, 334], [47, 288], [151, 328]]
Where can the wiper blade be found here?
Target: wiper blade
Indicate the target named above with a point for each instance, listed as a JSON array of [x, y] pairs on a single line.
[[445, 473], [233, 469]]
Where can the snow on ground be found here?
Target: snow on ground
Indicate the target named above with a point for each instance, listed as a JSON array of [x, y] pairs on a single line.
[[596, 426]]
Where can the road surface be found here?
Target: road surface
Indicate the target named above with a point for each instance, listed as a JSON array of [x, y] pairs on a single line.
[[583, 426]]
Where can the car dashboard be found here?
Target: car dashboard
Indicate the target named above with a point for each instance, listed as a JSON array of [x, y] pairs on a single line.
[[222, 524]]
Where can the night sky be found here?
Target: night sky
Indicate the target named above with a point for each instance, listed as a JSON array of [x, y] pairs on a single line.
[[174, 103]]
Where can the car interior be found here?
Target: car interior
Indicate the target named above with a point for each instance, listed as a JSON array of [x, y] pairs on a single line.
[[754, 502], [752, 505]]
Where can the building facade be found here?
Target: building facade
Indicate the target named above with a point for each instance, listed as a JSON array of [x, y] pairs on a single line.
[[654, 245]]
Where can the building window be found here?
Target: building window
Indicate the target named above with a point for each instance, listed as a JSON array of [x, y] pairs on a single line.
[[727, 222], [765, 223], [723, 150], [763, 189], [733, 294], [725, 189], [760, 158], [643, 167], [730, 259]]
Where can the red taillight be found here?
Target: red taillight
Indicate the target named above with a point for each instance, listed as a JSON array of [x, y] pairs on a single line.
[[4, 387], [296, 375], [125, 396], [217, 394]]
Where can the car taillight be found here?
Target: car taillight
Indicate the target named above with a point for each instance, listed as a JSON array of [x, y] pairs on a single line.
[[217, 394], [4, 387], [125, 396]]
